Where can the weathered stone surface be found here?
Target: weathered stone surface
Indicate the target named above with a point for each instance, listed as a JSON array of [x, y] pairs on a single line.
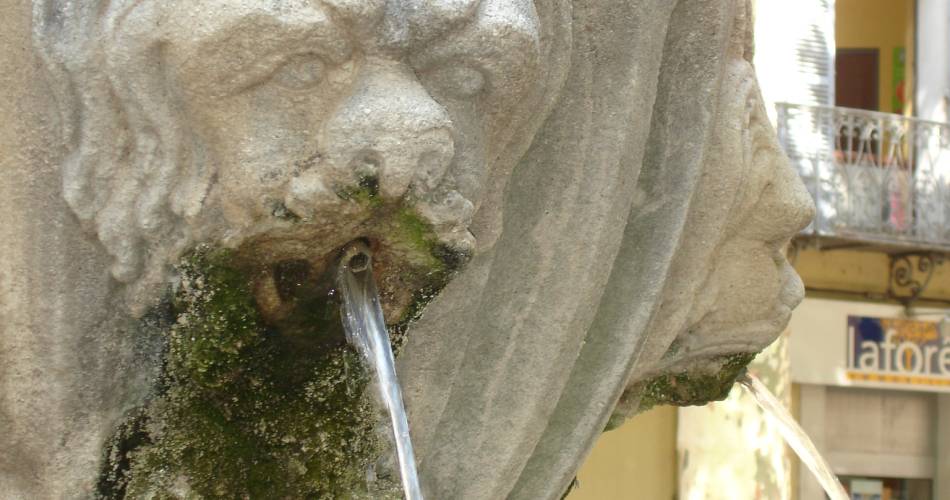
[[595, 184]]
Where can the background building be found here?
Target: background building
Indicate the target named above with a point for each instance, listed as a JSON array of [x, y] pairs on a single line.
[[859, 92]]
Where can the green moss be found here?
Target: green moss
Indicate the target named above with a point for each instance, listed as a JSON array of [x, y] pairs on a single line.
[[409, 235], [414, 229], [403, 230], [365, 193], [424, 267], [246, 413], [432, 272], [687, 388], [692, 388], [251, 409]]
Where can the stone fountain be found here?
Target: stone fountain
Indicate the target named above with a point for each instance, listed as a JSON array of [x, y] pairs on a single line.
[[576, 210]]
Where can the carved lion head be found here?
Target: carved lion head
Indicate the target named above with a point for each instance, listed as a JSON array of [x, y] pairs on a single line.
[[286, 129]]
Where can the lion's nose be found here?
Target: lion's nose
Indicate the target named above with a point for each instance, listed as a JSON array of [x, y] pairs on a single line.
[[398, 163], [390, 130]]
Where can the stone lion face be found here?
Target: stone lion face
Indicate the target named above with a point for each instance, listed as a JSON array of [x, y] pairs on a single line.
[[303, 105], [287, 129]]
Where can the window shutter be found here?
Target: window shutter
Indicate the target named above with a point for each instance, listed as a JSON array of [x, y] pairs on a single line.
[[815, 53]]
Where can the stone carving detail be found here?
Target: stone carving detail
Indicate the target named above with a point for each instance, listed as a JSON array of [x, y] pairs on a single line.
[[767, 203], [604, 169], [264, 124]]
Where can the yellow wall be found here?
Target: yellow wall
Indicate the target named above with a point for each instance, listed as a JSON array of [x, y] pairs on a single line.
[[635, 461], [862, 274], [881, 24]]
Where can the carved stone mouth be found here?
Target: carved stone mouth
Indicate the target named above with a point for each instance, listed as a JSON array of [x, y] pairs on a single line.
[[293, 266]]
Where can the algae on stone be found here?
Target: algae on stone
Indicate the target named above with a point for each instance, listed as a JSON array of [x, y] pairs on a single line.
[[711, 381], [245, 413], [690, 388], [252, 406]]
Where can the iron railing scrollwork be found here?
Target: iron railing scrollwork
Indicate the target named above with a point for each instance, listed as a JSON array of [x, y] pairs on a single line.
[[910, 273], [875, 177]]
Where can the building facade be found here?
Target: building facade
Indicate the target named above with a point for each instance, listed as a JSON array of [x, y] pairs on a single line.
[[869, 351]]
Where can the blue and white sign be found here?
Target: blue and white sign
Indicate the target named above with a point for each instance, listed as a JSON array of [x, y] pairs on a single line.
[[897, 351]]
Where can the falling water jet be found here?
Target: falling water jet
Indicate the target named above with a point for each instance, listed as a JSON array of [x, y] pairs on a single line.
[[794, 436], [366, 330]]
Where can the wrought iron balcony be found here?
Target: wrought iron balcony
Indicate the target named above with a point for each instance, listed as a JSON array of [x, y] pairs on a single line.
[[878, 179]]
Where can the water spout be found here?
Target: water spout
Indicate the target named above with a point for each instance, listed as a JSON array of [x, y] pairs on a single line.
[[366, 330], [794, 436]]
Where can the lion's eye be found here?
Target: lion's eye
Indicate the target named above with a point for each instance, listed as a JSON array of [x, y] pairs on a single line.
[[300, 72], [459, 81]]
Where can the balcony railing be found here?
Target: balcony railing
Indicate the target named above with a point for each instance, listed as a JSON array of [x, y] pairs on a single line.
[[877, 178]]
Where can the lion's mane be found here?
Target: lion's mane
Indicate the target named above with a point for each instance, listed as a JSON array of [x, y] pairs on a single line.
[[133, 173]]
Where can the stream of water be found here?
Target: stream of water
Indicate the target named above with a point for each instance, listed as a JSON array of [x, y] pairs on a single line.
[[794, 436], [366, 330]]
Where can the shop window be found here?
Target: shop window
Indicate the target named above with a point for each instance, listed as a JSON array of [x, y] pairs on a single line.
[[887, 488]]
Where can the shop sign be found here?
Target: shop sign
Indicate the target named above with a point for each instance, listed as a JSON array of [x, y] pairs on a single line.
[[897, 351]]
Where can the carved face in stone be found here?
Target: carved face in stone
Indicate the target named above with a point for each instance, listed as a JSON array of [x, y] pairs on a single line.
[[305, 105], [287, 129], [639, 235], [770, 205], [752, 202]]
